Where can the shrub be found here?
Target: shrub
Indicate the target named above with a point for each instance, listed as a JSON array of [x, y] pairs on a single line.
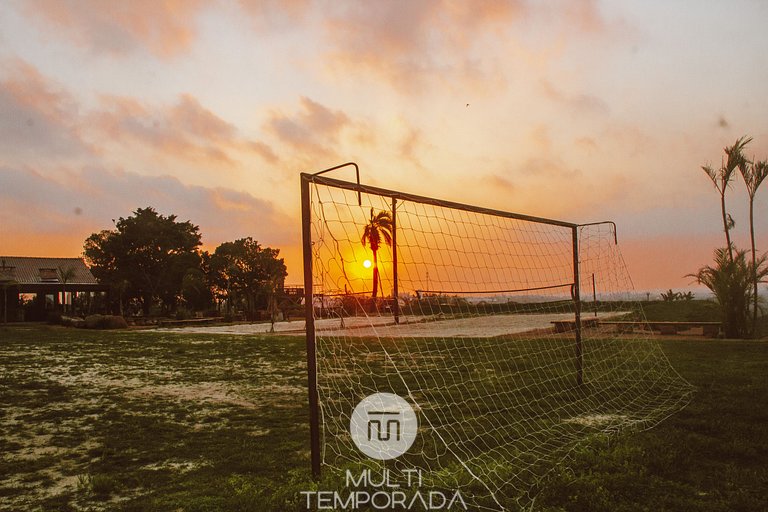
[[105, 322], [72, 321], [103, 485], [730, 280], [183, 314], [54, 317]]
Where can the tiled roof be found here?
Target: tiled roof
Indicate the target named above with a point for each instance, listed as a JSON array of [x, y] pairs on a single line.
[[30, 270]]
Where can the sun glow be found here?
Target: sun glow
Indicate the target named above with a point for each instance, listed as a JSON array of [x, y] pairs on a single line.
[[367, 263]]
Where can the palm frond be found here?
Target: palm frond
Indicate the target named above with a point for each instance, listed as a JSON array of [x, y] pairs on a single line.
[[754, 175], [711, 173], [379, 227], [735, 153]]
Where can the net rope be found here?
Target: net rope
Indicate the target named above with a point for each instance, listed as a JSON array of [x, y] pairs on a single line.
[[473, 346]]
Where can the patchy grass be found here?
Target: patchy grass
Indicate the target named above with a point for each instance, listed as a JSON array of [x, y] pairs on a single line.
[[708, 457], [146, 421], [150, 421]]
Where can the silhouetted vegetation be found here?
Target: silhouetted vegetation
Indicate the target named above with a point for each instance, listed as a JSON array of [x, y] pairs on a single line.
[[246, 276], [154, 266], [733, 278], [378, 229]]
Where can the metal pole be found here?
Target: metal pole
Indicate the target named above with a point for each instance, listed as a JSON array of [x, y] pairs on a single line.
[[314, 408], [577, 308], [396, 307], [594, 294]]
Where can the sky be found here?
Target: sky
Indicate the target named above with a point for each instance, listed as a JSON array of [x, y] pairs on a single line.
[[577, 110]]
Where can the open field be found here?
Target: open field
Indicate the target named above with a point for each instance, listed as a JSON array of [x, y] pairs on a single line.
[[203, 422], [413, 326]]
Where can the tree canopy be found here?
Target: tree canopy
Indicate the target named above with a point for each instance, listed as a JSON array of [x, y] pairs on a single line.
[[247, 274], [145, 257]]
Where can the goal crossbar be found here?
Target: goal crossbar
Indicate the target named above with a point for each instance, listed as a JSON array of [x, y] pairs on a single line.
[[404, 196]]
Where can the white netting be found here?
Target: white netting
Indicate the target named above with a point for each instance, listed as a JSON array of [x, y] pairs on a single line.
[[471, 342]]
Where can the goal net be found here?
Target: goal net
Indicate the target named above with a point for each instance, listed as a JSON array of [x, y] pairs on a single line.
[[512, 337]]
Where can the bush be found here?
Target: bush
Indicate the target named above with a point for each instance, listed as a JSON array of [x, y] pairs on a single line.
[[72, 321], [54, 317], [731, 281], [105, 322], [103, 484], [183, 314]]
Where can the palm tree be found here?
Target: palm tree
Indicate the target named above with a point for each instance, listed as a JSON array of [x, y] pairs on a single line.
[[721, 178], [753, 173], [730, 280], [378, 228], [65, 275]]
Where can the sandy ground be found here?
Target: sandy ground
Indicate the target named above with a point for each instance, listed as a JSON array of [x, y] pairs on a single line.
[[56, 394], [410, 326]]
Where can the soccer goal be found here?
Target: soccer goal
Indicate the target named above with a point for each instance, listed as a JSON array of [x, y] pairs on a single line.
[[499, 329]]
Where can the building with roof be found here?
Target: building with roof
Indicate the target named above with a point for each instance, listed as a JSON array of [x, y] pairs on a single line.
[[33, 287]]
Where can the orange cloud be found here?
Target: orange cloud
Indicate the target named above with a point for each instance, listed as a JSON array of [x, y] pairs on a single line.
[[185, 131], [415, 46], [578, 104], [316, 131], [163, 27], [37, 116], [65, 209], [275, 12]]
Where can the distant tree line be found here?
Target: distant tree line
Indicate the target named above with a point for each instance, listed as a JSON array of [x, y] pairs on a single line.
[[155, 266], [736, 273]]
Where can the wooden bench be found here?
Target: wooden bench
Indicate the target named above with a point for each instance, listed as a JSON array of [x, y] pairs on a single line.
[[710, 329]]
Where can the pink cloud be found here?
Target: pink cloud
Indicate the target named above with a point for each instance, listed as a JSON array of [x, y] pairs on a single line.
[[272, 13], [577, 104], [163, 27], [315, 131], [84, 201], [185, 131], [40, 120], [418, 45], [411, 146], [37, 116]]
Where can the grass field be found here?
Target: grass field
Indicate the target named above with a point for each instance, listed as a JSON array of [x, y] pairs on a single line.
[[159, 421]]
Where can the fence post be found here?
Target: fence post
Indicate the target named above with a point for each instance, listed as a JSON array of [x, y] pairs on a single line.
[[396, 306], [577, 307], [314, 407], [594, 293]]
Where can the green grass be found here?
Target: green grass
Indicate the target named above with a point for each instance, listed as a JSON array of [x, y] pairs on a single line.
[[155, 421]]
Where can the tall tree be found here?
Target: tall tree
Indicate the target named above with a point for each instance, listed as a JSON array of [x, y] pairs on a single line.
[[149, 251], [378, 229], [754, 173], [721, 178], [246, 273]]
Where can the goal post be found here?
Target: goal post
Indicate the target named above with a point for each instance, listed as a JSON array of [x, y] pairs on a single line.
[[474, 316], [309, 315]]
